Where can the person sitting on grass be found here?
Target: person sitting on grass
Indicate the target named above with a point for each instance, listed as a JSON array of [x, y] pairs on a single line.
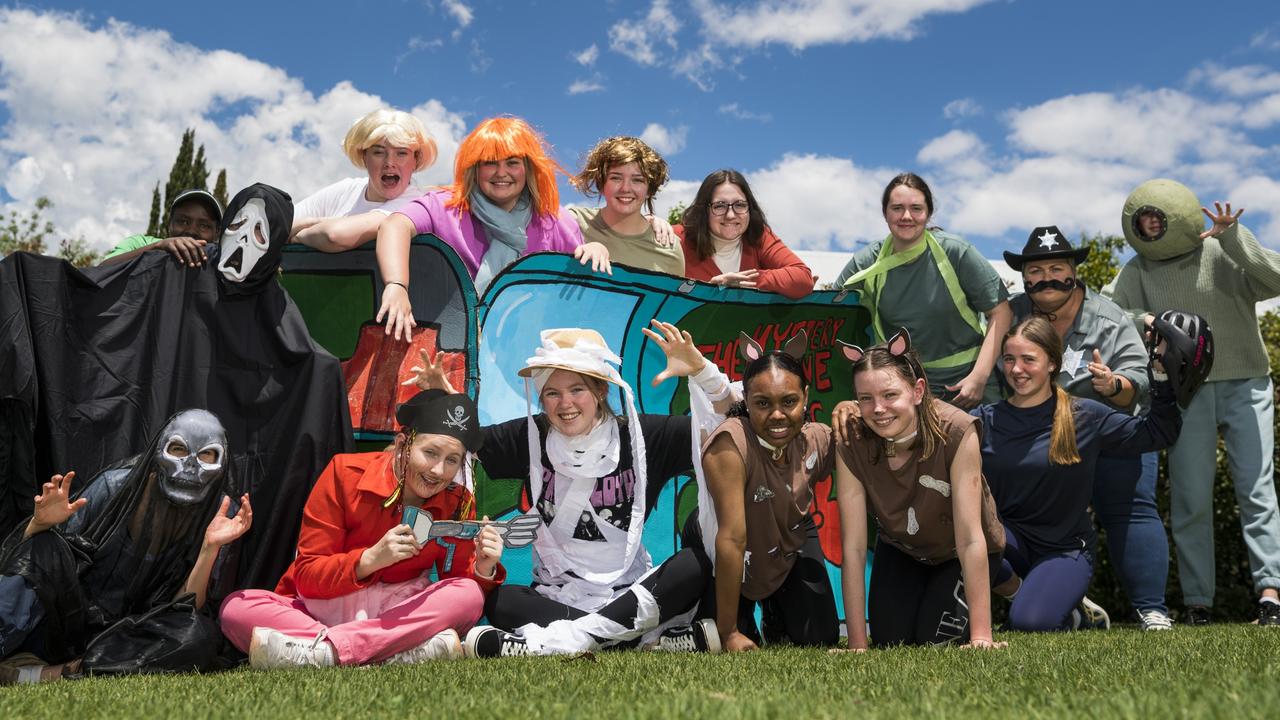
[[761, 465], [913, 461], [1040, 449], [594, 476], [140, 540], [360, 590]]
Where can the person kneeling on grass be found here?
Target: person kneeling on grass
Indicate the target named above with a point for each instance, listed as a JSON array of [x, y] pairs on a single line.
[[593, 481], [913, 461], [761, 464], [359, 590], [1040, 448], [119, 572]]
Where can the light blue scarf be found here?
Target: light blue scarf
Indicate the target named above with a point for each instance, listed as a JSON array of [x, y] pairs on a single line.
[[505, 231]]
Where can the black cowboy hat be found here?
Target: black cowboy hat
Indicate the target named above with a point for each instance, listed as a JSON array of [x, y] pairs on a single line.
[[1046, 243]]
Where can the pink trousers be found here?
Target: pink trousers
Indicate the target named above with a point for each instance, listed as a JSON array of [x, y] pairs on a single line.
[[364, 627]]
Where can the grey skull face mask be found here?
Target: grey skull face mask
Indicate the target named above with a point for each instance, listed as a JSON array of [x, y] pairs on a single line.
[[191, 457]]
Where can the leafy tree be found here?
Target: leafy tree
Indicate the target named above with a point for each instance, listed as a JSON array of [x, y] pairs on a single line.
[[676, 215], [32, 233], [190, 170], [1104, 260], [220, 188]]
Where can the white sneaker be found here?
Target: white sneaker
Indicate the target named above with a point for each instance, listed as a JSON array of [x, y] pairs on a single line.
[[445, 646], [269, 649], [1155, 620], [701, 636]]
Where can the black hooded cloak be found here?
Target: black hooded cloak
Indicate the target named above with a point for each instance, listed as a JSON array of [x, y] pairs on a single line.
[[93, 361]]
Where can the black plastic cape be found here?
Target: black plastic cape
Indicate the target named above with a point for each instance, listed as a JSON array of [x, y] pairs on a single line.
[[147, 544], [93, 362]]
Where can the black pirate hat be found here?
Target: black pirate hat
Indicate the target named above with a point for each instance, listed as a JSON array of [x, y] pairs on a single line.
[[1046, 243]]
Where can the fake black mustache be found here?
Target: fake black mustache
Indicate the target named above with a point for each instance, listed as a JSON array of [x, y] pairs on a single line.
[[1064, 285]]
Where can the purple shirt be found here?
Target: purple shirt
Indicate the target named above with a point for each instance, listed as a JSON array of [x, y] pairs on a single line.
[[465, 234]]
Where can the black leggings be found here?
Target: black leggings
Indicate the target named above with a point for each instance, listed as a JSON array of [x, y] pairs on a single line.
[[801, 611], [911, 603], [676, 585]]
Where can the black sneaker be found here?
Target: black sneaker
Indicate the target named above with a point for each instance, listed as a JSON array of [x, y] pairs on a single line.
[[487, 641], [1197, 615], [701, 636], [1269, 613]]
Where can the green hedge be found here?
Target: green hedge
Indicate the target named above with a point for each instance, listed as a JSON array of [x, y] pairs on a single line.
[[1236, 598]]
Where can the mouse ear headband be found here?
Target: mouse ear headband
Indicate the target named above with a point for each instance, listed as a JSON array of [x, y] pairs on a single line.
[[751, 351], [898, 346]]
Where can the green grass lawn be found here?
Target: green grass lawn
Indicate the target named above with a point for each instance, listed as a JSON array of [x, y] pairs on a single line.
[[1218, 671]]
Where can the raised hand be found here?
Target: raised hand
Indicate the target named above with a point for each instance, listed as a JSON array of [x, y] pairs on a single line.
[[223, 529], [51, 506], [1104, 381], [1221, 219], [430, 374], [683, 358]]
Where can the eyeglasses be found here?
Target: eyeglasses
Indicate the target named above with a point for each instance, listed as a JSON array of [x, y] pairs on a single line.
[[721, 208]]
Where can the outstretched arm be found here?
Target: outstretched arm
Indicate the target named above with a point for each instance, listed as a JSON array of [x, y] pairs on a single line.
[[394, 235], [971, 542], [853, 543], [339, 233], [684, 360], [727, 480]]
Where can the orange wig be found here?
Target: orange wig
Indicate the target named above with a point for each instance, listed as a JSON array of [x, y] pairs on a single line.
[[497, 139]]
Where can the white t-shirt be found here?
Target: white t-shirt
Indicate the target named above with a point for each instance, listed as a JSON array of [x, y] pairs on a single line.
[[346, 197]]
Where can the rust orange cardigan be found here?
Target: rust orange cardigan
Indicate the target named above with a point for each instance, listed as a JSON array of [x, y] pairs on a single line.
[[780, 270]]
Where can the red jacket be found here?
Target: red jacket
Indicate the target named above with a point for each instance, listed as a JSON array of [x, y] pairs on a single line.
[[344, 516], [780, 270]]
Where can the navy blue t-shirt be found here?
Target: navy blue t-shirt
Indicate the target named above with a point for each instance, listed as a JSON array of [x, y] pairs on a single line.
[[1046, 504]]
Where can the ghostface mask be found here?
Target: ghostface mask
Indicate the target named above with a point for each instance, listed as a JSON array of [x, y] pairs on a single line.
[[245, 241], [191, 456], [255, 230]]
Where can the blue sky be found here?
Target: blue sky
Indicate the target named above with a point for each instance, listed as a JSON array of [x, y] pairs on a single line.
[[1019, 113]]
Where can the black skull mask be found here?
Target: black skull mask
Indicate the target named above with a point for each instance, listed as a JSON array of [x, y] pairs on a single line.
[[190, 457]]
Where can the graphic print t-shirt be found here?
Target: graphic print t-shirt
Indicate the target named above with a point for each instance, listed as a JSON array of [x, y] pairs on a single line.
[[505, 454]]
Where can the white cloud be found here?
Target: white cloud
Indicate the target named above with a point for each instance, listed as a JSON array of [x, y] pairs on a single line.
[[76, 132], [587, 57], [1156, 128], [636, 38], [667, 141], [417, 44], [734, 111], [1239, 81], [804, 23], [588, 85], [961, 108], [459, 11], [1257, 193]]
